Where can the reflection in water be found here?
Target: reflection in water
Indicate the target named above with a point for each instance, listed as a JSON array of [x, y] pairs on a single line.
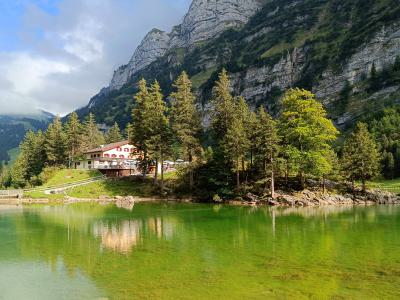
[[125, 235], [118, 237], [173, 251]]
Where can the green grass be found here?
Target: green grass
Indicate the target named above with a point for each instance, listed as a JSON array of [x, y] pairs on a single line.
[[115, 187], [386, 185], [200, 78], [65, 176], [42, 195]]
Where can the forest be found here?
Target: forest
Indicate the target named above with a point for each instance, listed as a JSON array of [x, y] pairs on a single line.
[[236, 150]]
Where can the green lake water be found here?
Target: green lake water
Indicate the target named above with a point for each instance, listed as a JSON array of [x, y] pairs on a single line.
[[193, 251]]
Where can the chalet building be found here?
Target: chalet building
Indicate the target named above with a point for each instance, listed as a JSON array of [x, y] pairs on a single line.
[[114, 160]]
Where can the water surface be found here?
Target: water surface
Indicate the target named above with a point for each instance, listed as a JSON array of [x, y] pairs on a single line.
[[190, 251]]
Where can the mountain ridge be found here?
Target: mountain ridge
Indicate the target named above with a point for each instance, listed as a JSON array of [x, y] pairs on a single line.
[[322, 45]]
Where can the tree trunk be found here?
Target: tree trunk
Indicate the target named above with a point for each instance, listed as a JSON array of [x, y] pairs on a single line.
[[323, 184], [251, 160], [237, 174], [156, 172], [272, 178], [191, 172], [364, 186], [144, 166], [243, 168], [287, 174], [301, 180], [162, 174]]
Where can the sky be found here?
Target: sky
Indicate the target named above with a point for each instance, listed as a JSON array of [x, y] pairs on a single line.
[[56, 54]]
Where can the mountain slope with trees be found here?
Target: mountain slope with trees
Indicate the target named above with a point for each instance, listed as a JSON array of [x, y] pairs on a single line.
[[13, 129], [343, 51]]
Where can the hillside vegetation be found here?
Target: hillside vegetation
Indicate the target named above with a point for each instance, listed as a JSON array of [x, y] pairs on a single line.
[[326, 33]]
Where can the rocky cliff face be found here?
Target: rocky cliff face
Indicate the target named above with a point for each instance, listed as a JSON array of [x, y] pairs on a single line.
[[208, 18], [153, 46], [321, 45], [205, 20]]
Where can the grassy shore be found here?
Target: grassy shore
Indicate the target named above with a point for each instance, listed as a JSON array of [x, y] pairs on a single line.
[[392, 186], [108, 187]]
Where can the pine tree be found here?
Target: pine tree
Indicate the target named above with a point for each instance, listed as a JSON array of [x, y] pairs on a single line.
[[306, 131], [244, 114], [91, 136], [5, 176], [129, 131], [267, 143], [55, 143], [31, 159], [114, 134], [73, 131], [159, 143], [223, 105], [236, 145], [360, 159], [142, 125], [185, 121]]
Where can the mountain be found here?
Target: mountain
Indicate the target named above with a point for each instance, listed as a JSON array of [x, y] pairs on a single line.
[[345, 51], [14, 127]]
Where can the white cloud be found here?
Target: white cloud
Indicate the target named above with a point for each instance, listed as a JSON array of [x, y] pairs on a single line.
[[83, 42], [70, 56]]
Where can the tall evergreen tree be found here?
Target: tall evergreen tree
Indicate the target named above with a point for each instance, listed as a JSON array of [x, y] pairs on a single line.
[[73, 132], [223, 106], [360, 159], [142, 125], [56, 143], [185, 121], [114, 134], [91, 136], [159, 143], [307, 132], [31, 159], [236, 144], [267, 143]]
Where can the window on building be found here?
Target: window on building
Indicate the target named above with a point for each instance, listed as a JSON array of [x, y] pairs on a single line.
[[119, 149], [106, 155], [89, 162], [121, 156], [126, 150], [114, 156]]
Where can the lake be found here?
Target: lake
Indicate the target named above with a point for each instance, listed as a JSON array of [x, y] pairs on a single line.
[[199, 251]]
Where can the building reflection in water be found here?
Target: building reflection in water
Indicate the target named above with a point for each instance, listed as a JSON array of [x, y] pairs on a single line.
[[124, 236]]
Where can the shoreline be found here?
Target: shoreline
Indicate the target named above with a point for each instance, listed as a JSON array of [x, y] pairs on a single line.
[[306, 198]]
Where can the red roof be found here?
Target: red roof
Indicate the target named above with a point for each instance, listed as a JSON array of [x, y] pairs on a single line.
[[108, 147]]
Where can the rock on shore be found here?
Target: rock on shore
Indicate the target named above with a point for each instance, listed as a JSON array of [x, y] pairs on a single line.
[[318, 198]]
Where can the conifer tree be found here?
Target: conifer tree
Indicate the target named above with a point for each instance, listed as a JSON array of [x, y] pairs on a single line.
[[73, 131], [114, 134], [251, 126], [129, 131], [5, 176], [185, 121], [159, 143], [223, 106], [360, 159], [307, 132], [267, 143], [31, 159], [91, 136], [142, 124], [244, 114], [236, 144], [55, 143]]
